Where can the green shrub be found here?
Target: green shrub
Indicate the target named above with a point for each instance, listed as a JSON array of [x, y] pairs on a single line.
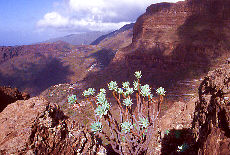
[[129, 134]]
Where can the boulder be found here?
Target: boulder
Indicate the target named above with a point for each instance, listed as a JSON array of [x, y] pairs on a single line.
[[36, 126], [9, 95]]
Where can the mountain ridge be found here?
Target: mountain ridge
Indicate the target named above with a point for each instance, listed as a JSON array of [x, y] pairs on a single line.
[[78, 39], [112, 34]]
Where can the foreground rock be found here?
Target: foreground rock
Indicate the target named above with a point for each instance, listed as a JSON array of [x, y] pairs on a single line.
[[200, 126], [37, 127], [212, 114], [9, 95], [173, 129]]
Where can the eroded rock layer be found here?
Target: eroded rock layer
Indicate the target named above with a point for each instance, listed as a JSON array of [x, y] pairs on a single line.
[[37, 127], [212, 113], [9, 95]]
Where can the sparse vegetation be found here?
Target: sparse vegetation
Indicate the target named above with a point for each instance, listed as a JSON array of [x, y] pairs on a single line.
[[131, 133], [72, 99]]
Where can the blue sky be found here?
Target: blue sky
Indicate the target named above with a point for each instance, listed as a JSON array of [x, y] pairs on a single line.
[[18, 20], [29, 21]]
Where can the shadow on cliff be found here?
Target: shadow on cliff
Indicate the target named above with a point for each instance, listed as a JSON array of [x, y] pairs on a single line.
[[103, 57], [179, 142], [36, 77], [202, 38]]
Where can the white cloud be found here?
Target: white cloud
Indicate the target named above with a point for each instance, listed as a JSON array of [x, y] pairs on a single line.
[[89, 5], [99, 15], [53, 19], [96, 25]]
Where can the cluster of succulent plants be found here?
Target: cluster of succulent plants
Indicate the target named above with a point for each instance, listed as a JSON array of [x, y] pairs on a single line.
[[131, 132], [72, 99], [89, 92]]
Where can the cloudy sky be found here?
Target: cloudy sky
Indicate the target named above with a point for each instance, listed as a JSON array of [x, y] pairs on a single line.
[[31, 21]]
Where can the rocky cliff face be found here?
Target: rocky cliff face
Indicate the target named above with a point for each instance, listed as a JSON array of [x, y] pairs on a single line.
[[37, 127], [9, 95], [185, 31], [200, 126], [172, 42], [157, 27], [178, 37], [212, 113]]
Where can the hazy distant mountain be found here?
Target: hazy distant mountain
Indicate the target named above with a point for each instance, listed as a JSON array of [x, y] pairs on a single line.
[[112, 34], [79, 39], [34, 68]]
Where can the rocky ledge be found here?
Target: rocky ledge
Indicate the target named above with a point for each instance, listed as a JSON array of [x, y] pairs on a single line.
[[35, 126], [9, 95]]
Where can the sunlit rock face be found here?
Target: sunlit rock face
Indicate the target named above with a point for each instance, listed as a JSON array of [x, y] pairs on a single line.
[[176, 40], [36, 126], [157, 28]]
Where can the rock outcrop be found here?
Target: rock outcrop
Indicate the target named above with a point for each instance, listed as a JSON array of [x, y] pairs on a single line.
[[180, 38], [184, 32], [172, 42], [212, 114], [9, 95], [173, 130], [37, 127], [200, 126], [155, 28]]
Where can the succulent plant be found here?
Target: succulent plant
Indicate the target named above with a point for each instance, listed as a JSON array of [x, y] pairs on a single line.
[[128, 91], [102, 109], [72, 99], [120, 91], [142, 126], [135, 85], [113, 85], [96, 126], [167, 131], [182, 147], [126, 127], [127, 102], [145, 90], [138, 74], [151, 96], [85, 93], [125, 85], [101, 98], [103, 90], [161, 91], [143, 122], [89, 92]]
